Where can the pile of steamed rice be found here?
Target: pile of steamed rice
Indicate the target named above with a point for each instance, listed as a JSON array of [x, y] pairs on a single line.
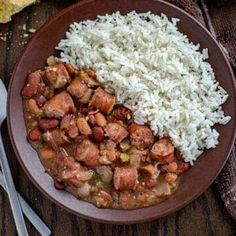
[[154, 70]]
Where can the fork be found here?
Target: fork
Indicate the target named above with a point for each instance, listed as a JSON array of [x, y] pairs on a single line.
[[17, 202], [29, 213], [10, 188]]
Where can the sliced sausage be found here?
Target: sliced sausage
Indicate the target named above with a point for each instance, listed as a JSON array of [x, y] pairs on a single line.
[[116, 132], [102, 100], [125, 178], [163, 151], [87, 152], [57, 75], [59, 105], [141, 136]]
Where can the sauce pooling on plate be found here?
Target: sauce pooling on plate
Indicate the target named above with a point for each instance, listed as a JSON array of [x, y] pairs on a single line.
[[91, 145]]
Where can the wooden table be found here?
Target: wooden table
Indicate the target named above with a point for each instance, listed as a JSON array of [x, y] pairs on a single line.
[[205, 216]]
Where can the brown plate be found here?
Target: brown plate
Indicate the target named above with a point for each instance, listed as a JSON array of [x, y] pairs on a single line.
[[192, 184]]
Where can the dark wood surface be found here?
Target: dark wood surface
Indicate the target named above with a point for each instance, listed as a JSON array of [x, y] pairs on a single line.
[[205, 216]]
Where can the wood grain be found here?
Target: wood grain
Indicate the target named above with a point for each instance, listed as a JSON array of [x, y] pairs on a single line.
[[205, 216]]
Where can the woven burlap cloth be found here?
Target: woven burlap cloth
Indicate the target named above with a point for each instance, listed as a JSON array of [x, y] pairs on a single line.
[[219, 16]]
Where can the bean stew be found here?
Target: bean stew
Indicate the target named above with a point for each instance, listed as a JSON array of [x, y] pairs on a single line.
[[91, 145]]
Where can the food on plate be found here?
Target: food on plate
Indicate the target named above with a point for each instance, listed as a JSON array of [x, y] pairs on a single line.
[[125, 110], [91, 145]]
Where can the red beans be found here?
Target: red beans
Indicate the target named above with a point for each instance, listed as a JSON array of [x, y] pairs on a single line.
[[34, 135], [59, 185], [98, 134], [46, 123]]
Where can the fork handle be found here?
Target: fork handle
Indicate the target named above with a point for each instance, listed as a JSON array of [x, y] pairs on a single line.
[[30, 213], [12, 195]]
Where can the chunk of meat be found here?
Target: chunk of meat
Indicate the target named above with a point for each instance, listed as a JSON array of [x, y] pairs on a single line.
[[163, 151], [108, 152], [59, 105], [125, 178], [56, 138], [48, 123], [57, 75], [34, 84], [83, 126], [88, 153], [80, 90], [116, 132], [71, 172], [122, 113], [152, 173], [141, 136], [69, 125], [34, 134], [102, 100], [98, 134]]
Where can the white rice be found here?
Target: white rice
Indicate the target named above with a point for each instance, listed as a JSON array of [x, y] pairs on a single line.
[[156, 71]]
